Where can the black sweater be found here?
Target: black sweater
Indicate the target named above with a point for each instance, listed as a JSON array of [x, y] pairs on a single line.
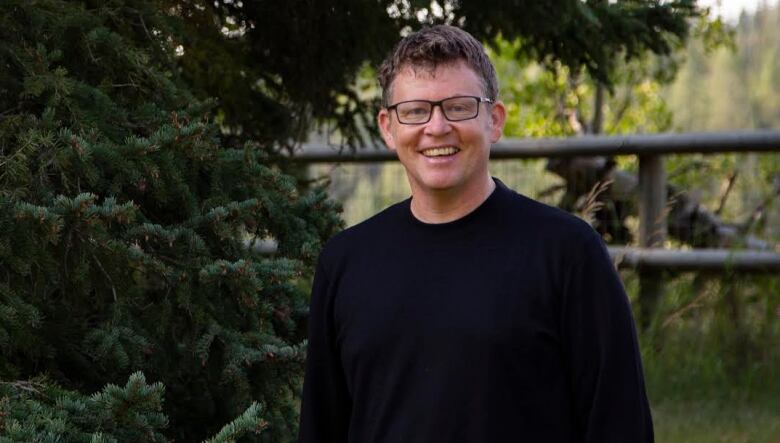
[[507, 325]]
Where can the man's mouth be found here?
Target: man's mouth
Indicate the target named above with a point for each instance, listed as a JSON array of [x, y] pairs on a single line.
[[443, 151]]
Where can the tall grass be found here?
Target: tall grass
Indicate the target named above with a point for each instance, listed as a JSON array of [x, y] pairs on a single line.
[[712, 358]]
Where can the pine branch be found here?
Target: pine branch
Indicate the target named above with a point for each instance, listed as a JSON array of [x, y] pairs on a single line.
[[248, 422]]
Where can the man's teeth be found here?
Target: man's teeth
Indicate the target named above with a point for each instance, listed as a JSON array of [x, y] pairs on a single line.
[[437, 152]]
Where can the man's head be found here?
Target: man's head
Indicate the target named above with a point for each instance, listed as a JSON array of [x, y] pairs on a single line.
[[441, 112], [434, 46]]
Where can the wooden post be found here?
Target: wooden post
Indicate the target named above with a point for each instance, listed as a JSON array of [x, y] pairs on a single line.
[[652, 229]]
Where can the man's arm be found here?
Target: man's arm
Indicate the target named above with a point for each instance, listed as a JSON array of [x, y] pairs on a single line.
[[602, 351], [326, 404]]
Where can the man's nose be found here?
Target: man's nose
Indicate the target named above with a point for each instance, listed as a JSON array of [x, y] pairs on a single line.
[[438, 123]]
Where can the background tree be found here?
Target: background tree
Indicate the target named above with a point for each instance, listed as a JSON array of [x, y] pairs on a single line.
[[123, 238], [267, 54]]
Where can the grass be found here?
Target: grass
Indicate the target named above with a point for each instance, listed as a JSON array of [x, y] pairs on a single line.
[[713, 371], [697, 399], [700, 421]]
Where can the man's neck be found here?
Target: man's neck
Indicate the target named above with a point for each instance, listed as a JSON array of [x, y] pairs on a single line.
[[449, 205]]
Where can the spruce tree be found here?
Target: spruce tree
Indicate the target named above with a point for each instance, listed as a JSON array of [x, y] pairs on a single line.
[[126, 241]]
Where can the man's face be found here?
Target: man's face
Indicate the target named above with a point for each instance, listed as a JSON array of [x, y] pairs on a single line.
[[464, 169]]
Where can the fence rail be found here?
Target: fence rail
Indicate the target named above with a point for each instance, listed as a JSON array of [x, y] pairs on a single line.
[[700, 260], [643, 145]]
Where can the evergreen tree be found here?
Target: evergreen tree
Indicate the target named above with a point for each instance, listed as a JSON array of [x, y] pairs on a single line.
[[125, 239]]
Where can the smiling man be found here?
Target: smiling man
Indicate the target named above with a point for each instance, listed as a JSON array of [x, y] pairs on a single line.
[[467, 313]]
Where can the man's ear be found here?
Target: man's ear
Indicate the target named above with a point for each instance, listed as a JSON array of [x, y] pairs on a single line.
[[497, 121], [384, 118]]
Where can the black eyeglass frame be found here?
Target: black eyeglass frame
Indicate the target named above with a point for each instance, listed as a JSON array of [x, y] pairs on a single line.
[[439, 104]]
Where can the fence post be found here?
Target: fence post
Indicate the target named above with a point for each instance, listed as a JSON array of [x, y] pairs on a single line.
[[652, 229]]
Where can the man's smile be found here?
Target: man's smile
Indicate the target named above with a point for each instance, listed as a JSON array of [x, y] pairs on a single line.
[[440, 151]]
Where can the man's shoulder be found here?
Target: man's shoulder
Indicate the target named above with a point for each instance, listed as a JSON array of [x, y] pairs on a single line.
[[541, 216], [544, 223], [366, 234]]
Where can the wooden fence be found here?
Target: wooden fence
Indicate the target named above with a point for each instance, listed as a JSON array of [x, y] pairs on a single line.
[[649, 259]]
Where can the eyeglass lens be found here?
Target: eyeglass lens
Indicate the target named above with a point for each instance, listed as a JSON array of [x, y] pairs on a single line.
[[455, 109]]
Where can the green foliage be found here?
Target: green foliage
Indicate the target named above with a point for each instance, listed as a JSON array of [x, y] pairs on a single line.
[[711, 361], [706, 420], [593, 34], [732, 85], [126, 237], [556, 101], [246, 422], [713, 335], [260, 58], [41, 411]]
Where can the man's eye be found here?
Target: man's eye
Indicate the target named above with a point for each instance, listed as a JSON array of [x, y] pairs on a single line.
[[417, 111], [460, 107]]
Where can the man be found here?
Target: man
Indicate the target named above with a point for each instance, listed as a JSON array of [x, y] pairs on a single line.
[[467, 313]]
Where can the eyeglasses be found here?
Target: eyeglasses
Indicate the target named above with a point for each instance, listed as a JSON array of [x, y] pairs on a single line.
[[455, 109]]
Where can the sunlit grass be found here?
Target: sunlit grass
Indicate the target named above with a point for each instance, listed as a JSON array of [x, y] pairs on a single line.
[[713, 373], [710, 421]]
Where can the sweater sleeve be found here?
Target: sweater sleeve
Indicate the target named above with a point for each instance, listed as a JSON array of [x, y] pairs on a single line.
[[326, 404], [602, 351]]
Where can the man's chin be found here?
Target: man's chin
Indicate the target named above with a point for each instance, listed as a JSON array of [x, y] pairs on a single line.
[[439, 184]]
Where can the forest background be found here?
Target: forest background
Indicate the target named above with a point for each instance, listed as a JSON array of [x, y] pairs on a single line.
[[144, 146]]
